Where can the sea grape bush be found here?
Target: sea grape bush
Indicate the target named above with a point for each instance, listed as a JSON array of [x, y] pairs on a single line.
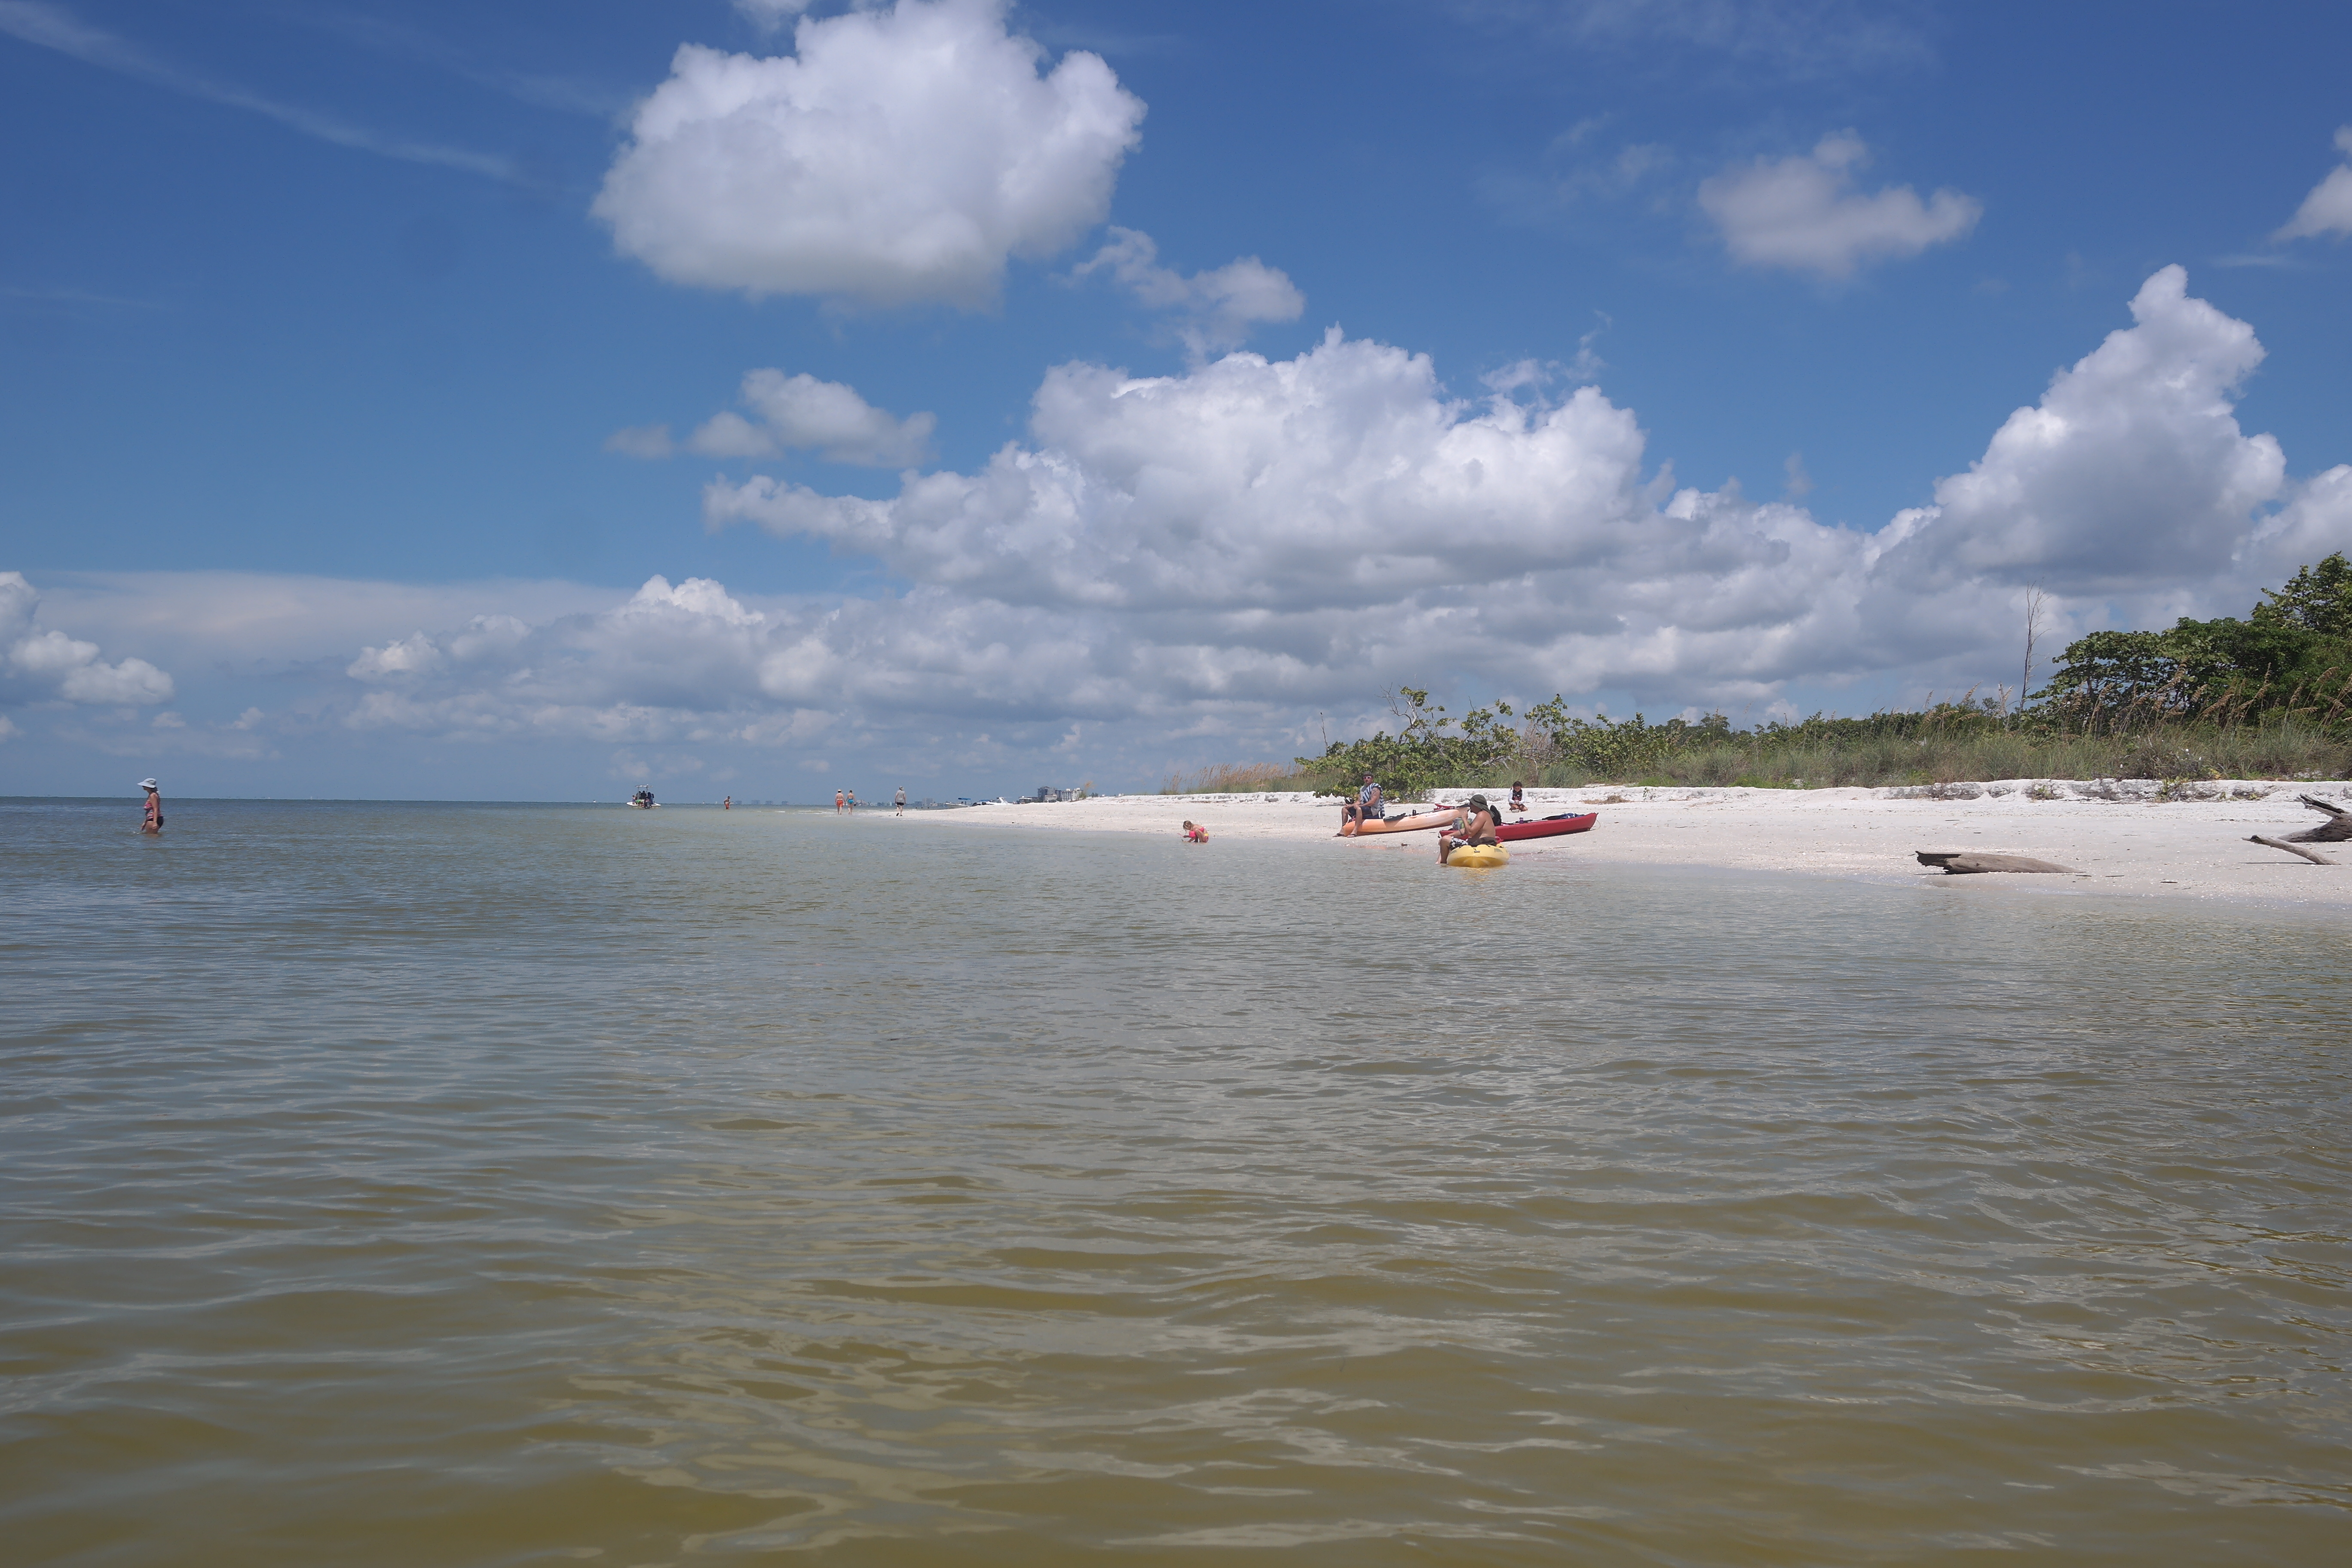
[[2291, 656], [2268, 696]]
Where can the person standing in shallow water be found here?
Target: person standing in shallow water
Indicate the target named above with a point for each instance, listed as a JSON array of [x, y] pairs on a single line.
[[836, 803], [902, 802], [153, 821]]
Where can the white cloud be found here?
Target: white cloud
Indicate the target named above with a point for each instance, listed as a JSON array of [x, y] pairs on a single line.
[[2131, 471], [2328, 208], [1804, 213], [771, 13], [1217, 309], [795, 413], [46, 665], [1219, 553], [800, 412], [896, 157]]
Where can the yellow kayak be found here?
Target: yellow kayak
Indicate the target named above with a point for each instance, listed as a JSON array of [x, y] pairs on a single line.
[[1472, 856]]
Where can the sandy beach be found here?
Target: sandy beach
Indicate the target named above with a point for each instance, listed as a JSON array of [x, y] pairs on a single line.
[[2119, 836]]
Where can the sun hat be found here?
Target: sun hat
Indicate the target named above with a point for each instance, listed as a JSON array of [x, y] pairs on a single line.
[[148, 783], [1479, 801]]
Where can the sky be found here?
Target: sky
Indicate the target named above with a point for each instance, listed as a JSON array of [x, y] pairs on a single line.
[[540, 400]]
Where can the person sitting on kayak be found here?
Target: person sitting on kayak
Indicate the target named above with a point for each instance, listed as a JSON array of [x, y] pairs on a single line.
[[1518, 801], [1473, 824], [1194, 833], [1367, 806]]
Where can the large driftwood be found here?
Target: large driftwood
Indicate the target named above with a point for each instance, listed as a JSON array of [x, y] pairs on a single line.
[[1962, 863], [2336, 829], [2312, 855]]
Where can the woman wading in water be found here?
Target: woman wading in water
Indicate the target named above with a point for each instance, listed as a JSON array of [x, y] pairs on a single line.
[[153, 821]]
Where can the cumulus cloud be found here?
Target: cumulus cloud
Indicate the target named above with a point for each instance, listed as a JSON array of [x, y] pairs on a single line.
[[896, 157], [1284, 528], [1221, 551], [38, 664], [1215, 309], [2131, 469], [668, 663], [1804, 213], [793, 413], [2328, 208]]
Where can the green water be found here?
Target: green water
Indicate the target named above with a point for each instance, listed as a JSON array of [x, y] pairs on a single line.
[[416, 1184]]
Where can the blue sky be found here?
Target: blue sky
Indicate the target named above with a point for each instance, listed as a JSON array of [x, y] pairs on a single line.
[[335, 341]]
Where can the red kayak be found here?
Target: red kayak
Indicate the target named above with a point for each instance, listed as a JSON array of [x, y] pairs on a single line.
[[1546, 827]]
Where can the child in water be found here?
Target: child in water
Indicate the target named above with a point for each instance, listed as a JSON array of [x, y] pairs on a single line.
[[1195, 833]]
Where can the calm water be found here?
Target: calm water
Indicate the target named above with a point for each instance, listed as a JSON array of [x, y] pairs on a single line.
[[420, 1184]]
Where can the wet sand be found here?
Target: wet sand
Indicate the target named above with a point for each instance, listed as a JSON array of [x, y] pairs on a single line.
[[2124, 836]]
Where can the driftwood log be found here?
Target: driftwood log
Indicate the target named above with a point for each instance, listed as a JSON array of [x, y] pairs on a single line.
[[1962, 863], [2336, 829], [2313, 855]]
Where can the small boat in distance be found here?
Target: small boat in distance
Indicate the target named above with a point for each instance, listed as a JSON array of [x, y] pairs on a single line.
[[643, 800]]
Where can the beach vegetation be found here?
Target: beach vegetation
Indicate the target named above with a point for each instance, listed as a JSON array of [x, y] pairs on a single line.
[[2269, 696]]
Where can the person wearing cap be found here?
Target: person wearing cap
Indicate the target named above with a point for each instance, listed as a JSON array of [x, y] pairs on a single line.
[[1473, 824], [153, 821], [1367, 806]]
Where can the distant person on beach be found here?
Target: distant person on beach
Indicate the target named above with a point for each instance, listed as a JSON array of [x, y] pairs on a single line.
[[853, 800], [1518, 801], [726, 805], [901, 802], [1473, 824], [1194, 833], [838, 805], [1367, 806], [153, 821]]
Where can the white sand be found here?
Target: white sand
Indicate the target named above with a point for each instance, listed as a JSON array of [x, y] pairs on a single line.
[[2123, 835]]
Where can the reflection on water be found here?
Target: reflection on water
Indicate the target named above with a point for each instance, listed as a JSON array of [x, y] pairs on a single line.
[[406, 1185]]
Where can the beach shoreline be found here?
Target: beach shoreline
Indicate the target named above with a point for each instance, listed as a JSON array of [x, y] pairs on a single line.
[[2137, 838]]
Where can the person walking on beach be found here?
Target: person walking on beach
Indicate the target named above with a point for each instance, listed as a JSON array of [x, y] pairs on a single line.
[[901, 801], [153, 821], [837, 807], [853, 801]]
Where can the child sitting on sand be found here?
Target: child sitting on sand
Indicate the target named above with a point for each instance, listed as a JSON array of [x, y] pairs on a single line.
[[1518, 801], [1195, 833]]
